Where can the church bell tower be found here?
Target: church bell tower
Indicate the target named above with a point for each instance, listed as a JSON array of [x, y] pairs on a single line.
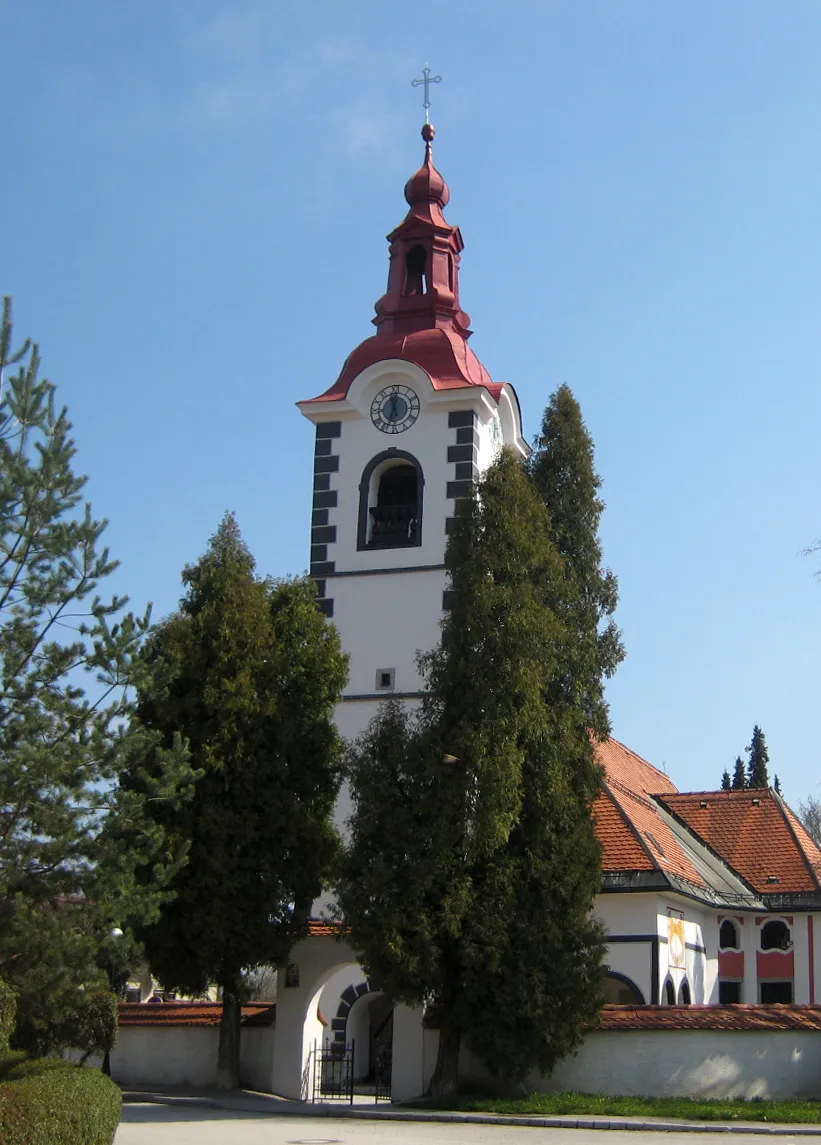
[[401, 435]]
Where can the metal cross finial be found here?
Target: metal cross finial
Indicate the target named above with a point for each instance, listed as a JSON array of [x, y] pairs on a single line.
[[427, 79]]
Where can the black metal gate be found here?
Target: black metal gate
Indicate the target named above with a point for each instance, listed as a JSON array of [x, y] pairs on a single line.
[[330, 1070], [382, 1073]]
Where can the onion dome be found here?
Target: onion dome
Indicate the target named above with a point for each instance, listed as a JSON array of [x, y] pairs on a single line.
[[419, 319], [427, 185]]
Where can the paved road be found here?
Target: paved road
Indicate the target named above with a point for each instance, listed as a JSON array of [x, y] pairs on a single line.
[[145, 1124]]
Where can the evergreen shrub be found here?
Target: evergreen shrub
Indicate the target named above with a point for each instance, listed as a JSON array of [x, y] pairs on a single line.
[[8, 1012], [92, 1026], [57, 1103]]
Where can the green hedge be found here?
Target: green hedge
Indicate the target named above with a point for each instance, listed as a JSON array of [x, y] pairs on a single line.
[[50, 1102]]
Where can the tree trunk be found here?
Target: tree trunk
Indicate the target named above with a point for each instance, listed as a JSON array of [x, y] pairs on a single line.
[[444, 1082], [228, 1053]]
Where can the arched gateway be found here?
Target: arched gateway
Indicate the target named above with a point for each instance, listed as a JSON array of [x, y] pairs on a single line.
[[314, 961]]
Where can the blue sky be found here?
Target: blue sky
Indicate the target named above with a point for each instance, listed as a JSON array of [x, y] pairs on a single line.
[[194, 203]]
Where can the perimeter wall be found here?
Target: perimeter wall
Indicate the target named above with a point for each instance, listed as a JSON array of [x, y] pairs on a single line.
[[674, 1063]]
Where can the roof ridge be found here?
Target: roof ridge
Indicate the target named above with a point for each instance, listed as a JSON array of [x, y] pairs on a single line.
[[720, 791], [640, 796]]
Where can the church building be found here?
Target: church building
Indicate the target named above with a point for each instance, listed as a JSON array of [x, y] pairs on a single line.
[[708, 898]]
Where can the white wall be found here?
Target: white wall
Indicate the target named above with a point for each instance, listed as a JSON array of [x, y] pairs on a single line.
[[146, 1056], [628, 913], [409, 1072], [645, 914], [656, 1063], [693, 1063], [256, 1057], [670, 1063], [165, 1057], [625, 915], [385, 620]]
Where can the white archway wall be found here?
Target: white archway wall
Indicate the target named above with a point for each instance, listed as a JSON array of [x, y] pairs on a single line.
[[319, 959], [359, 1030], [359, 1022]]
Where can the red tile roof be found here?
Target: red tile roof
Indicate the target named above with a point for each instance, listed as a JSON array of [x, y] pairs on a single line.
[[621, 850], [630, 782], [191, 1014], [756, 834], [630, 769], [323, 929], [711, 1018]]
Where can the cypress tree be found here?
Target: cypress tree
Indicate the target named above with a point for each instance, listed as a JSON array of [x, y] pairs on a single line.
[[253, 672], [759, 757], [473, 861], [739, 774], [563, 470], [726, 782]]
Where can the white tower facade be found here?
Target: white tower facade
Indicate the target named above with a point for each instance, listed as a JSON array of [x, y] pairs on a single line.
[[403, 433]]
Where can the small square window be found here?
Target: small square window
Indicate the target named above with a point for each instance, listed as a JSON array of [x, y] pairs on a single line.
[[292, 974], [385, 679]]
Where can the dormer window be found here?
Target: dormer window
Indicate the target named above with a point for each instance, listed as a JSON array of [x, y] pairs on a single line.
[[416, 276], [390, 502]]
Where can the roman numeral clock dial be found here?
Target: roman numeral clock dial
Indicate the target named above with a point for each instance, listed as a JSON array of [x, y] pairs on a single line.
[[394, 409]]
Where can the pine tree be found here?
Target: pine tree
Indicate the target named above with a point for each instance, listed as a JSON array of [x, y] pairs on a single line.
[[562, 467], [759, 757], [726, 782], [473, 861], [739, 775], [254, 672], [69, 658]]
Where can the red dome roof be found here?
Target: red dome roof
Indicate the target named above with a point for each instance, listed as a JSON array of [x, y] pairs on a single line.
[[427, 185], [419, 319], [443, 354]]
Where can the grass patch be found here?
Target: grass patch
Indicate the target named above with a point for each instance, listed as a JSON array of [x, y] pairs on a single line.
[[594, 1105]]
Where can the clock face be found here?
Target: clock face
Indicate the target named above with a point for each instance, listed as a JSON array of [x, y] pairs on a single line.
[[394, 409]]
